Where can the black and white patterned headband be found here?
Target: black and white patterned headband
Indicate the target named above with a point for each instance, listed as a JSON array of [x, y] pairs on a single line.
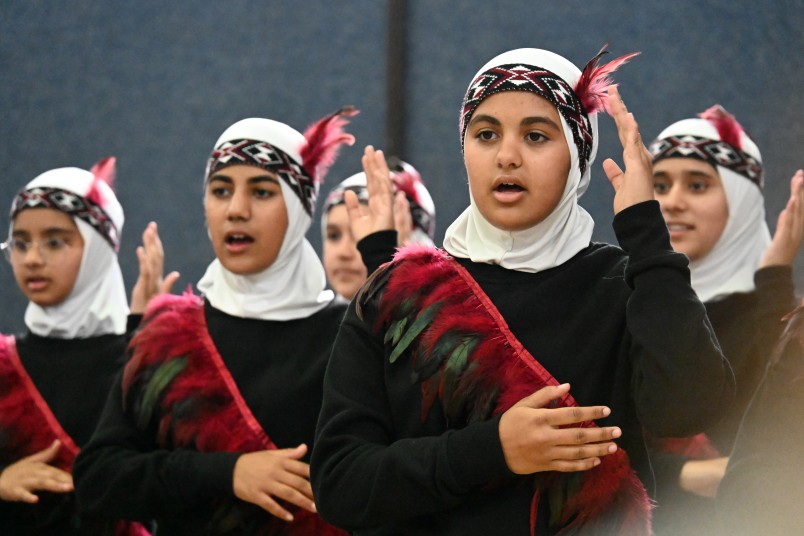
[[71, 204], [713, 152], [266, 156]]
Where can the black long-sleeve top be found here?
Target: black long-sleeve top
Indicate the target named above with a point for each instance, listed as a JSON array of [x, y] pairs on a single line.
[[278, 367], [622, 326], [73, 376], [747, 325]]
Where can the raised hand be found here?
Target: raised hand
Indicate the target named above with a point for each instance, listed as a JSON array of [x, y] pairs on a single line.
[[378, 215], [265, 476], [21, 479], [789, 227], [537, 438], [635, 184], [150, 282]]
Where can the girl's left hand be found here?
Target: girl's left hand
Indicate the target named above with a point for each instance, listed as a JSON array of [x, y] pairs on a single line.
[[789, 227], [378, 215], [635, 184]]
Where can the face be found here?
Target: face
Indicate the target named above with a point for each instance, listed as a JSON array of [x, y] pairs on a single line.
[[517, 159], [246, 216], [693, 203], [345, 270], [47, 255]]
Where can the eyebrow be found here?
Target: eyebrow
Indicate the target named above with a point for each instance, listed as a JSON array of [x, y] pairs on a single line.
[[527, 121], [251, 180], [47, 232]]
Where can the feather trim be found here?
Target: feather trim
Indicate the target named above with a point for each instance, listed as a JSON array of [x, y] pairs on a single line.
[[593, 85], [726, 124], [176, 386], [323, 140], [104, 171], [465, 358]]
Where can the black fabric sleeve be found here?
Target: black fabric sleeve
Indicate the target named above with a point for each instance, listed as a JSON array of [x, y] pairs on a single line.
[[377, 248], [388, 479], [681, 382], [120, 472], [775, 298]]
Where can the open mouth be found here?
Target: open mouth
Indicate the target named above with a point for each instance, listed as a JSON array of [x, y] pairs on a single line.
[[676, 227], [238, 239], [506, 187]]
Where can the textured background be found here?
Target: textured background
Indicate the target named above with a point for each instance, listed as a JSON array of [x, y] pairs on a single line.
[[155, 83]]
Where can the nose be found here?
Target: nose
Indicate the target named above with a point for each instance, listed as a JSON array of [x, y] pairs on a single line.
[[346, 247], [34, 257], [509, 154], [239, 207], [674, 200]]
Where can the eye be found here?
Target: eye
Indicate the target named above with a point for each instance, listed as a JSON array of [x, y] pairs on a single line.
[[219, 192], [20, 246], [486, 135], [660, 187], [262, 193], [699, 187], [334, 235], [55, 244], [536, 137]]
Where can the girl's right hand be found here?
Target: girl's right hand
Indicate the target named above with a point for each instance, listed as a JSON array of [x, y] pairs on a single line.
[[21, 479], [789, 227], [537, 438], [263, 477]]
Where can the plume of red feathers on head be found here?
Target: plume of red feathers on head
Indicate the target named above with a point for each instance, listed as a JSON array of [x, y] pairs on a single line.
[[726, 124], [592, 87], [103, 171], [323, 139], [405, 177]]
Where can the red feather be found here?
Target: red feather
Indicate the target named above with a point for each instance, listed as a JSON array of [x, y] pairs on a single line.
[[323, 139], [593, 85], [405, 180], [726, 124], [104, 171]]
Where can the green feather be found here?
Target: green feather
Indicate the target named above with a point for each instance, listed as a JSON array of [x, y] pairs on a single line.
[[153, 389], [453, 370], [421, 322], [395, 331]]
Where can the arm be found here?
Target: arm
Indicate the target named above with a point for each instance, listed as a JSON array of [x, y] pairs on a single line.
[[681, 381], [120, 472], [150, 282]]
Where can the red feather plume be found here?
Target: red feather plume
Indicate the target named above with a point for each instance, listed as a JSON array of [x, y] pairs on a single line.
[[105, 171], [592, 87], [405, 179], [323, 139], [726, 124]]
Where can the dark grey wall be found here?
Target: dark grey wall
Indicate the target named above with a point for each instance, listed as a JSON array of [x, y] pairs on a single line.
[[155, 83]]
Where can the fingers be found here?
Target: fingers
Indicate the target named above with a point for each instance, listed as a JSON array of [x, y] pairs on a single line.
[[378, 176], [403, 221], [613, 173], [353, 207], [45, 455], [167, 284], [544, 396]]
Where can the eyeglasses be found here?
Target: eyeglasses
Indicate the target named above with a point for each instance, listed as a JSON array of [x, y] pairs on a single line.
[[14, 249]]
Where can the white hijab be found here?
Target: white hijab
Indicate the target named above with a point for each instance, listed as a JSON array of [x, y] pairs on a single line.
[[294, 285], [729, 267], [568, 228], [97, 303]]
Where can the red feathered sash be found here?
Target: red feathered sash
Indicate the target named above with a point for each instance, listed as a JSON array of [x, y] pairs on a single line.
[[28, 426], [466, 358], [177, 384]]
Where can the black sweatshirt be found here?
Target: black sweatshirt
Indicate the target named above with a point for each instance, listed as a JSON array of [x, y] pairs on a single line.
[[74, 377], [747, 325], [624, 328], [278, 367]]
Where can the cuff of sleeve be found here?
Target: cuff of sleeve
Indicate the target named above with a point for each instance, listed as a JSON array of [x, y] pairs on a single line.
[[476, 455], [774, 276], [377, 248], [642, 233], [219, 481], [133, 322]]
